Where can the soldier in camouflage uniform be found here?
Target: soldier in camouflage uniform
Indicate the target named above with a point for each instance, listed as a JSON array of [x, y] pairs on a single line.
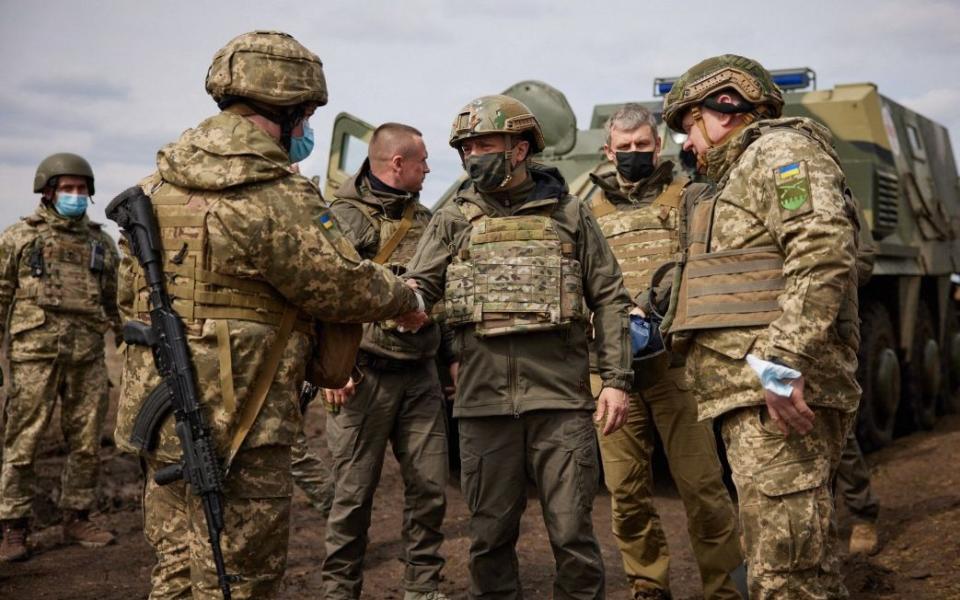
[[397, 397], [640, 206], [252, 256], [518, 264], [768, 306], [58, 286]]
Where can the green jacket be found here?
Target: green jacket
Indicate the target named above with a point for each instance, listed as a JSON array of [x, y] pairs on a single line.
[[362, 212], [521, 372]]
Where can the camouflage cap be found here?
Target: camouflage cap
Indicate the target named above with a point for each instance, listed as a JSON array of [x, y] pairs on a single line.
[[62, 163], [267, 66], [496, 114], [728, 71]]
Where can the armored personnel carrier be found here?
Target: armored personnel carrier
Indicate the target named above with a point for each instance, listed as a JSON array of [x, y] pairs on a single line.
[[900, 166]]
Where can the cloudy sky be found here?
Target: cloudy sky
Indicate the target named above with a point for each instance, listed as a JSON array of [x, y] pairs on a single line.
[[115, 80]]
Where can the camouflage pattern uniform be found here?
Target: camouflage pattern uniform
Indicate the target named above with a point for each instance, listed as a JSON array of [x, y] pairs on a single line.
[[641, 222], [59, 309], [398, 399], [771, 271], [523, 394], [247, 239]]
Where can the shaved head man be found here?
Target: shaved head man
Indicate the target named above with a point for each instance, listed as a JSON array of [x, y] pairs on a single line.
[[397, 396]]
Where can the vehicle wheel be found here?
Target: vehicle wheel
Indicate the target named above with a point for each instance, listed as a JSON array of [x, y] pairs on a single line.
[[950, 360], [923, 375], [879, 376]]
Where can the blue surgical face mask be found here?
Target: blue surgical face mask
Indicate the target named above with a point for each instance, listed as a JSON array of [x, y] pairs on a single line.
[[71, 205], [302, 146]]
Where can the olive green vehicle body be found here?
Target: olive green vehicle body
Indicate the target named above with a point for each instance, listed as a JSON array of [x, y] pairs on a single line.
[[901, 167]]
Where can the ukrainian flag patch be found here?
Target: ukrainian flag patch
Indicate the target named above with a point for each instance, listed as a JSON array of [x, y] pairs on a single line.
[[792, 185], [327, 221]]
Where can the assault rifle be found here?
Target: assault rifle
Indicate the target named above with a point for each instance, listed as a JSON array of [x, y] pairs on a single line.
[[177, 391]]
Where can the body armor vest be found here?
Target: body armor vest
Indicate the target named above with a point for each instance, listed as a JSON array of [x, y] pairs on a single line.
[[65, 270], [515, 275], [643, 238], [731, 288], [197, 292]]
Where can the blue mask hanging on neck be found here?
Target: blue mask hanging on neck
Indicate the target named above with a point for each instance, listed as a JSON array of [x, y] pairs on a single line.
[[71, 205], [302, 146]]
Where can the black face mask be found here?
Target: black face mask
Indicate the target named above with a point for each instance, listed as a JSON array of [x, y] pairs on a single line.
[[487, 171], [635, 166]]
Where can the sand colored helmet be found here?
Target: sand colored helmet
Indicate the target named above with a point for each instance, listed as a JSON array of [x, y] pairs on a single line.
[[496, 114], [62, 163], [726, 72], [269, 67]]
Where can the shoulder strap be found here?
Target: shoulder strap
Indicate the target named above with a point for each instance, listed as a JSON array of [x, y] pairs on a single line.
[[601, 207], [672, 194], [262, 383], [471, 211], [406, 221], [365, 209]]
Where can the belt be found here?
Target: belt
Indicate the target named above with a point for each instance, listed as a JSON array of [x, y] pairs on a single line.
[[380, 363]]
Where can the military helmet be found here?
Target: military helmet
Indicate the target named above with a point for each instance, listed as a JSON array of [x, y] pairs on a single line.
[[497, 114], [269, 67], [62, 163], [745, 76]]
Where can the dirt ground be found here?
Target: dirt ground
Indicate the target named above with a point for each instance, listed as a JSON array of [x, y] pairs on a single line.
[[915, 478]]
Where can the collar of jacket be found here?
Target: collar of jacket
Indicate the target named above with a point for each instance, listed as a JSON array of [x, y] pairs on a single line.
[[49, 215], [358, 188], [619, 191]]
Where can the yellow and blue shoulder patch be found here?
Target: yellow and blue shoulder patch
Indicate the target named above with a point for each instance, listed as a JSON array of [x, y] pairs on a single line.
[[793, 187], [334, 235], [326, 221]]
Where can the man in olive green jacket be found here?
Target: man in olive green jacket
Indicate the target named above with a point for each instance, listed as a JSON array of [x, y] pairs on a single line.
[[518, 263], [397, 395]]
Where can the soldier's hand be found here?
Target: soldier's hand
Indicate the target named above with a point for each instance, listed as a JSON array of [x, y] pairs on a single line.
[[340, 397], [412, 321], [451, 390], [614, 405], [790, 412]]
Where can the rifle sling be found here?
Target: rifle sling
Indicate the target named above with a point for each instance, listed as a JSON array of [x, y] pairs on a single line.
[[262, 384], [406, 221]]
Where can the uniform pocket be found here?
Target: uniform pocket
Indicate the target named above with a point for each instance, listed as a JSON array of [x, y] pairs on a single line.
[[26, 317], [470, 479]]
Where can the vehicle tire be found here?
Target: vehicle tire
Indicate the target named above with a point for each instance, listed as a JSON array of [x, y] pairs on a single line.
[[950, 360], [924, 374], [879, 375]]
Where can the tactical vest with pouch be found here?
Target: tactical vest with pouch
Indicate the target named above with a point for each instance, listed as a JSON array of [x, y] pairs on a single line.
[[645, 237], [516, 274], [65, 270], [738, 288]]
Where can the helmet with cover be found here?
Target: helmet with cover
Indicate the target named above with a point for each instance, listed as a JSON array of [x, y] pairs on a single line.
[[271, 73], [704, 80], [497, 114], [62, 163]]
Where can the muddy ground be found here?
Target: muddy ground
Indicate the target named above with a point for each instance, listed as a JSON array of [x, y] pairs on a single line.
[[916, 479]]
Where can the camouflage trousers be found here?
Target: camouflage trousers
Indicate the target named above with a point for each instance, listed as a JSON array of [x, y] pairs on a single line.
[[557, 449], [853, 482], [691, 451], [786, 507], [311, 474], [256, 525], [405, 408], [32, 393]]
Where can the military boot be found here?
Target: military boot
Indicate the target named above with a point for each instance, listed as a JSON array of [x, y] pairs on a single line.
[[863, 538], [645, 592], [14, 544], [431, 595], [78, 528]]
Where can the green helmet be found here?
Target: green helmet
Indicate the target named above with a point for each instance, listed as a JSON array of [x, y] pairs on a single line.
[[497, 114], [62, 163], [269, 67], [745, 76]]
